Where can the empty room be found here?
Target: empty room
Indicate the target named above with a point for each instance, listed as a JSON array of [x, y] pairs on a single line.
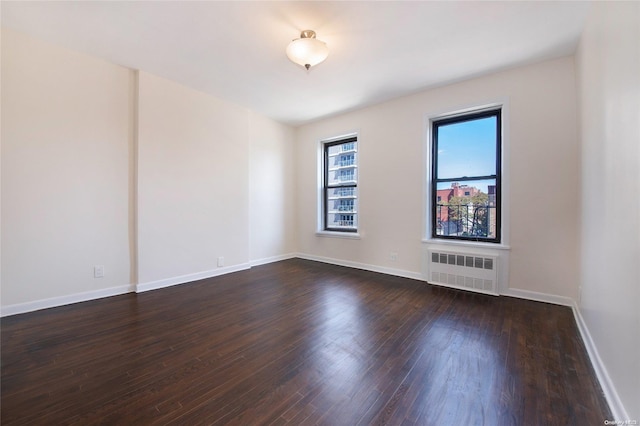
[[336, 213]]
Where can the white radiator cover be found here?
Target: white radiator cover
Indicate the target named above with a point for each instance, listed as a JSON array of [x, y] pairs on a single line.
[[467, 271]]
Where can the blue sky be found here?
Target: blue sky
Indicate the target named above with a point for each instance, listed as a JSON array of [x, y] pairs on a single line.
[[467, 149]]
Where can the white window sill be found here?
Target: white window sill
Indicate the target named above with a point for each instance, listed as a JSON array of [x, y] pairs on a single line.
[[334, 234], [459, 243]]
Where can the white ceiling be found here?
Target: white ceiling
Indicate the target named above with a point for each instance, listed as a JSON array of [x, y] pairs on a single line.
[[378, 50]]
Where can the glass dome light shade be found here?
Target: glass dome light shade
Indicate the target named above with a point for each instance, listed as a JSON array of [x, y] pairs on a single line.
[[307, 50]]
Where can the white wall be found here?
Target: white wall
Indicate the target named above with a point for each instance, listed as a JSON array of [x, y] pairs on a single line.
[[102, 165], [541, 133], [608, 63], [65, 171], [272, 189], [193, 181]]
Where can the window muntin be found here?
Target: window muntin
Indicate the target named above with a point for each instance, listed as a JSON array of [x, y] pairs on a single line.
[[465, 177], [340, 185]]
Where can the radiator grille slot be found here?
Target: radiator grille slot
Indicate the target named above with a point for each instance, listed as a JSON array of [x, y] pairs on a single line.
[[461, 260], [463, 270]]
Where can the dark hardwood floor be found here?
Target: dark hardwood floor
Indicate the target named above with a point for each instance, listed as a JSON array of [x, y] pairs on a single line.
[[299, 342]]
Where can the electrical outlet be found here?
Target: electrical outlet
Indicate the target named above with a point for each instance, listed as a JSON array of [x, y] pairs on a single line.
[[393, 256], [98, 271], [220, 262]]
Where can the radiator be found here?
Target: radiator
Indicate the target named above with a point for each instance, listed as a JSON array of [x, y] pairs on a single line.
[[468, 271]]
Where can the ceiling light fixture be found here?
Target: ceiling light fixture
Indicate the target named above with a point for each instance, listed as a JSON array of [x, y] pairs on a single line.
[[307, 50]]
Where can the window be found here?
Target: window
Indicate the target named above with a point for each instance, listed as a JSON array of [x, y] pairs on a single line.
[[466, 177], [340, 186]]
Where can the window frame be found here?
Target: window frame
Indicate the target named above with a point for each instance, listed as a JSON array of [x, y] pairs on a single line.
[[326, 187], [435, 124]]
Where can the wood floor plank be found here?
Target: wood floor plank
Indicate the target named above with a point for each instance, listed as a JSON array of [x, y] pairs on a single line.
[[299, 342]]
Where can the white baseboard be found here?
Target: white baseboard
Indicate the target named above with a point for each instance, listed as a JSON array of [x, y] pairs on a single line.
[[168, 282], [617, 408], [364, 266], [272, 259], [611, 395], [615, 404], [538, 297], [53, 302]]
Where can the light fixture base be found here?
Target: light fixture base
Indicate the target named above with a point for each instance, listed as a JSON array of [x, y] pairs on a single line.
[[308, 34]]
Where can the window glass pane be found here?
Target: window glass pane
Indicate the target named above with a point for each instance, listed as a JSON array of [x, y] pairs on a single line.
[[342, 208], [467, 148], [466, 209], [342, 164]]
